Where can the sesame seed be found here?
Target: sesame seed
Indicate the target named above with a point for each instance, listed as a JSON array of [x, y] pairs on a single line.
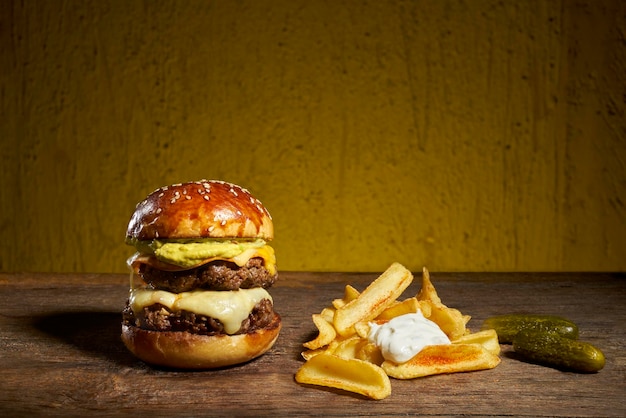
[[189, 197], [239, 213], [211, 228], [159, 210], [161, 194], [206, 197], [173, 200], [223, 223], [156, 234]]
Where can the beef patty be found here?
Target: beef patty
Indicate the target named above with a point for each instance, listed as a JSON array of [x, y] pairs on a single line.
[[159, 318], [216, 275]]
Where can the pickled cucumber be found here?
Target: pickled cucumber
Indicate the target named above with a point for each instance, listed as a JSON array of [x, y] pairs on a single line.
[[507, 326], [554, 350]]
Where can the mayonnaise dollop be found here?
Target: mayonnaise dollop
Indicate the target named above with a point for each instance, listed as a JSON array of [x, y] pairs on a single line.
[[406, 335]]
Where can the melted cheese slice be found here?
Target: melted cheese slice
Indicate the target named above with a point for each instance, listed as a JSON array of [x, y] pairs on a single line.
[[229, 307], [265, 252]]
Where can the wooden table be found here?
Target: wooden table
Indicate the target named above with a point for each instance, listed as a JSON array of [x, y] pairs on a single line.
[[60, 353]]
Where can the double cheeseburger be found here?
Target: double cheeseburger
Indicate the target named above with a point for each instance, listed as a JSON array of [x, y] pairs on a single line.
[[198, 295]]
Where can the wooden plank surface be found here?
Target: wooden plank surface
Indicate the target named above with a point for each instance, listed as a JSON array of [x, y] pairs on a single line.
[[61, 355]]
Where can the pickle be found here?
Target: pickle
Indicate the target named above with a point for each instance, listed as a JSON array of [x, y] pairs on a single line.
[[554, 350], [507, 326]]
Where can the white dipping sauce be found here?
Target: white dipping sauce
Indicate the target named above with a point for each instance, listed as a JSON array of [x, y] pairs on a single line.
[[406, 335]]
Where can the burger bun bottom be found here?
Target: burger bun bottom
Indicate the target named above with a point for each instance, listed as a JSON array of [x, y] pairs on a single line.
[[190, 351]]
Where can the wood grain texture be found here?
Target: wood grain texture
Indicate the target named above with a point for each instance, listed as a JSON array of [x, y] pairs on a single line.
[[466, 136], [60, 353]]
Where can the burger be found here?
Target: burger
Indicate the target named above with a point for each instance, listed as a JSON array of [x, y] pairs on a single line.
[[199, 278]]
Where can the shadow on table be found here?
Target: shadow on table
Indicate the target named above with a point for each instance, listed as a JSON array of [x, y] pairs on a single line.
[[95, 333]]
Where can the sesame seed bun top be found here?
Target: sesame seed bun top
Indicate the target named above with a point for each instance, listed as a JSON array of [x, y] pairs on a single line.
[[200, 209]]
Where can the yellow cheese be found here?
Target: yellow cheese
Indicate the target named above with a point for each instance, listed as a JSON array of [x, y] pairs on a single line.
[[229, 307], [266, 252]]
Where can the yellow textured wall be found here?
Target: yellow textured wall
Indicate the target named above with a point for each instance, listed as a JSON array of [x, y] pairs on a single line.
[[461, 135]]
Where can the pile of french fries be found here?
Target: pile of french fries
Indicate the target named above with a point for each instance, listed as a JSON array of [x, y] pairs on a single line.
[[342, 357]]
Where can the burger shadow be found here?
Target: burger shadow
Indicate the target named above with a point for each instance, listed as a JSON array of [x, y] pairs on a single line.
[[94, 333], [98, 334]]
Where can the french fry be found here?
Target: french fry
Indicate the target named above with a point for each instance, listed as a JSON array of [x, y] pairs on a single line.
[[307, 354], [349, 347], [374, 299], [426, 307], [451, 321], [410, 305], [328, 314], [353, 375], [439, 359], [326, 333], [362, 329], [371, 353], [428, 292], [350, 293], [487, 338]]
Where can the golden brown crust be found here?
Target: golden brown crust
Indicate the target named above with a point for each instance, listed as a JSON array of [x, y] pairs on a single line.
[[189, 351], [201, 209]]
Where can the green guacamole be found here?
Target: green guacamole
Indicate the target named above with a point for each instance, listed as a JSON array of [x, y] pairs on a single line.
[[187, 253]]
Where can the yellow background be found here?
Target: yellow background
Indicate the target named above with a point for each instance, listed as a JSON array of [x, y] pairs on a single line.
[[467, 135]]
